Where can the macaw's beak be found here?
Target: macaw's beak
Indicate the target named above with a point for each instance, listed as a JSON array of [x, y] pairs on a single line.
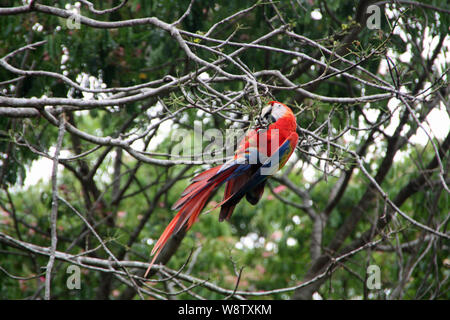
[[263, 118]]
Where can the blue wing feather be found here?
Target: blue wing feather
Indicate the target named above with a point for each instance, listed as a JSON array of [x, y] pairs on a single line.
[[268, 168]]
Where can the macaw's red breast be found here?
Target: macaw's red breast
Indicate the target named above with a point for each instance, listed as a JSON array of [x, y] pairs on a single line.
[[266, 141]]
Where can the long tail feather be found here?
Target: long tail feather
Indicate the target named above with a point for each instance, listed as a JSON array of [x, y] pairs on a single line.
[[232, 187], [162, 241], [191, 203]]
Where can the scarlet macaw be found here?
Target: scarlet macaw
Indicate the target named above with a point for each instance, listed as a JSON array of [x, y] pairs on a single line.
[[261, 153]]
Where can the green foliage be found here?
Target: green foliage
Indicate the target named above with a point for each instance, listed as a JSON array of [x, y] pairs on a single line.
[[280, 252]]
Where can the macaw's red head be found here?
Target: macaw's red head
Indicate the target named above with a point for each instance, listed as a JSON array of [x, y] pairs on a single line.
[[279, 115]]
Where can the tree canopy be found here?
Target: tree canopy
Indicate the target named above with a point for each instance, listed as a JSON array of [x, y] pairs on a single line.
[[98, 98]]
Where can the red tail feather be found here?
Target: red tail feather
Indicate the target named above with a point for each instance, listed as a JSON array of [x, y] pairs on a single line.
[[232, 187], [199, 182], [190, 205]]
